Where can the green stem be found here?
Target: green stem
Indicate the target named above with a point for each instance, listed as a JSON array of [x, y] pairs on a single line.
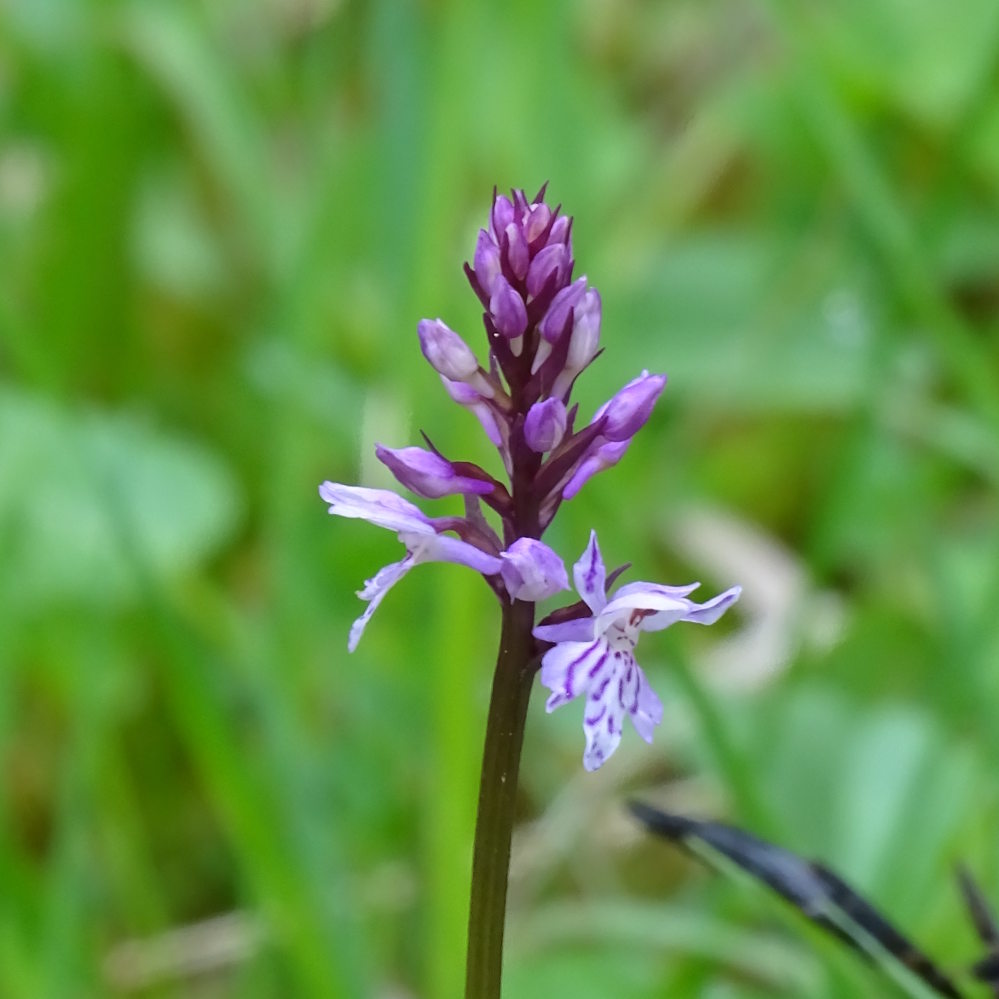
[[497, 800]]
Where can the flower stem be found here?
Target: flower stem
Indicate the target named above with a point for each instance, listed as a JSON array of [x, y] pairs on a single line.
[[497, 800]]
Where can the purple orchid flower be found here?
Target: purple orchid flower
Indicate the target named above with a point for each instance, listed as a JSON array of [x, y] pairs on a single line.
[[594, 655], [529, 568], [542, 330]]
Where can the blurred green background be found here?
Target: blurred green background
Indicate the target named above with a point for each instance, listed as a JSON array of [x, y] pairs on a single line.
[[219, 225]]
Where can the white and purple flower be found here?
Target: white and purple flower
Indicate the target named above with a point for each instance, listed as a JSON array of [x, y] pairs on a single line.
[[594, 656]]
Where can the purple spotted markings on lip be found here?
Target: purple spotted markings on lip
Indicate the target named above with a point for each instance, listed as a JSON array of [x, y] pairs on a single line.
[[594, 657]]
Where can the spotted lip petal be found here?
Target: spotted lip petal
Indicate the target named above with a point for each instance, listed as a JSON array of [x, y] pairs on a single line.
[[568, 669]]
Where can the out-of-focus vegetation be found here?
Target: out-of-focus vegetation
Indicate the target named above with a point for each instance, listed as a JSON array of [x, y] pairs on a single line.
[[219, 225]]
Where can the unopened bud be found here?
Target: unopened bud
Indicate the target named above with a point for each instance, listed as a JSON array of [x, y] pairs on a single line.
[[447, 353], [507, 309], [532, 571], [544, 426], [428, 474], [626, 413]]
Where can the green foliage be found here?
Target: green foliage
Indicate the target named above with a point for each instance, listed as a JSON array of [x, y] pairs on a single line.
[[219, 225]]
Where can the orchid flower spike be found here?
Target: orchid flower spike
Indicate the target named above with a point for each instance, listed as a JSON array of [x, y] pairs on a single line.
[[594, 656]]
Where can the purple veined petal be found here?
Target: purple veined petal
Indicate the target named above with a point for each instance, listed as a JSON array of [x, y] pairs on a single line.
[[628, 411], [645, 708], [558, 312], [518, 254], [544, 425], [569, 668], [532, 571], [377, 506], [603, 717], [428, 474], [374, 592], [580, 629], [590, 576], [486, 261], [509, 314], [604, 456]]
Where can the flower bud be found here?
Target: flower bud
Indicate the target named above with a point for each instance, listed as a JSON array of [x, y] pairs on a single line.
[[583, 341], [555, 318], [501, 216], [467, 396], [428, 474], [507, 309], [553, 259], [486, 261], [544, 426], [447, 353], [532, 571], [626, 413], [538, 217], [602, 456], [560, 232], [518, 255]]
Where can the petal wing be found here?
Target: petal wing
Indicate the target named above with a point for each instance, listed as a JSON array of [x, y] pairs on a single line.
[[590, 576], [643, 603], [377, 506], [709, 612], [374, 592]]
